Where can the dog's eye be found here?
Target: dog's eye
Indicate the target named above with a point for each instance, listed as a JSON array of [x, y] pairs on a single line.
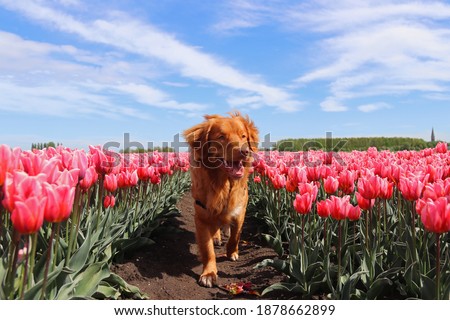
[[244, 136], [221, 137]]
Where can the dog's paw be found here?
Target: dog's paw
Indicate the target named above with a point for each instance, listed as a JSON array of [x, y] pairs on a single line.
[[233, 256], [208, 280]]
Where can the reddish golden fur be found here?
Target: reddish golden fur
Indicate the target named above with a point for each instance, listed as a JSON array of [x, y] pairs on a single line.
[[220, 187]]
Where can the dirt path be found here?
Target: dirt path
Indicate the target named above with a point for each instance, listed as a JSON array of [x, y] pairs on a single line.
[[170, 268]]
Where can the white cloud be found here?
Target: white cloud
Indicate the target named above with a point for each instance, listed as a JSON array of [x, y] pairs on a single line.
[[363, 48], [128, 34], [58, 80], [380, 48], [373, 107], [332, 105]]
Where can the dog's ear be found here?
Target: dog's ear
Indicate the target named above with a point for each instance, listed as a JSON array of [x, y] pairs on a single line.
[[252, 132], [197, 137]]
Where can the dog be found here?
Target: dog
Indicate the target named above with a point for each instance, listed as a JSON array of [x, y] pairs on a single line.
[[221, 157]]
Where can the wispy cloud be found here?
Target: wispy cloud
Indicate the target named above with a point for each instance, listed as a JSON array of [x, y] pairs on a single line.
[[130, 35], [332, 105], [58, 80], [365, 48], [380, 48], [373, 107]]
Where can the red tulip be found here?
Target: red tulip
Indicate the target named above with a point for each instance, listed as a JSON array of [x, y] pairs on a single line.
[[435, 215], [364, 203], [303, 203], [143, 173], [126, 179], [109, 201], [331, 184], [257, 179], [347, 181], [155, 177], [110, 182], [324, 208], [354, 213], [28, 215]]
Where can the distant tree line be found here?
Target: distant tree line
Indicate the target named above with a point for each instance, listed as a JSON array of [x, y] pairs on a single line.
[[44, 145], [349, 144]]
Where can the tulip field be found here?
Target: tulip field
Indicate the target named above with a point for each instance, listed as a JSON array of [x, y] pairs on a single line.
[[357, 225], [66, 215], [345, 225]]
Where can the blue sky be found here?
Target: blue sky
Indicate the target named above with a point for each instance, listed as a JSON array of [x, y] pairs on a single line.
[[85, 72]]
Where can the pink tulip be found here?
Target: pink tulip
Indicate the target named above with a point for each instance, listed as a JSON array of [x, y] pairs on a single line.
[[278, 181], [369, 187], [386, 189], [331, 185], [89, 179], [155, 177], [28, 215], [435, 215], [441, 147], [364, 203], [411, 188], [59, 202], [339, 207], [303, 203], [5, 162], [110, 182]]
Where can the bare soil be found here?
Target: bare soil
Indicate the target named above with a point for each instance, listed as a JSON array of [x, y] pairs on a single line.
[[170, 268]]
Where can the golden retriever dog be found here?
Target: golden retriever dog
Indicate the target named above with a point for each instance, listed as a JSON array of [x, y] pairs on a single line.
[[221, 156]]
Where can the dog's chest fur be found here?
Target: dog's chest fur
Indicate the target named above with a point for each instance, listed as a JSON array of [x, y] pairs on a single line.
[[224, 200]]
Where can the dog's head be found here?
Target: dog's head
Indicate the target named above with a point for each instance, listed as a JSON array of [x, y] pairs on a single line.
[[225, 143]]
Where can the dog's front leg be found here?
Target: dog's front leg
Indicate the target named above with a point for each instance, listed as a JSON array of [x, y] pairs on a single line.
[[235, 235], [204, 236]]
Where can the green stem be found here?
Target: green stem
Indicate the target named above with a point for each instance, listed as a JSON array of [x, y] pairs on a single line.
[[99, 200], [25, 268], [413, 228], [438, 266], [33, 246], [386, 228], [47, 263], [12, 268], [74, 221], [339, 257]]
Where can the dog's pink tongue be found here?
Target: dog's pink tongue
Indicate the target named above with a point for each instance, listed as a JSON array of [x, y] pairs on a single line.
[[237, 169]]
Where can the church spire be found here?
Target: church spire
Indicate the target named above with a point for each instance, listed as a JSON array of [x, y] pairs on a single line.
[[432, 135]]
